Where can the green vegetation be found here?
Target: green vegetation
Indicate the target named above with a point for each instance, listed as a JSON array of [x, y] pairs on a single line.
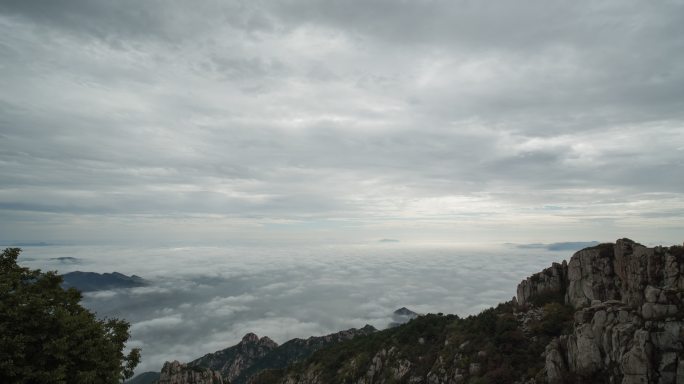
[[494, 341], [676, 250], [557, 319], [543, 298], [46, 336], [605, 249]]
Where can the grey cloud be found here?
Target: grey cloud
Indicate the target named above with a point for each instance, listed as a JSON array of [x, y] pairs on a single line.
[[240, 69], [363, 114], [119, 20]]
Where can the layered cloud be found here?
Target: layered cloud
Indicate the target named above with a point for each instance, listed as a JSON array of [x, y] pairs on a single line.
[[205, 299], [335, 121]]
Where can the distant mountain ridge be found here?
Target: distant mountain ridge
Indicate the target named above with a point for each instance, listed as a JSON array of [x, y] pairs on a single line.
[[253, 354], [562, 246], [92, 281], [66, 259]]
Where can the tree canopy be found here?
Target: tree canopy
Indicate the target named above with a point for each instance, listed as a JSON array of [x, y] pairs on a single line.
[[46, 336]]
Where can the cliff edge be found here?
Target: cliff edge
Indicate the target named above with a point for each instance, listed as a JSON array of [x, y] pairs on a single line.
[[628, 325]]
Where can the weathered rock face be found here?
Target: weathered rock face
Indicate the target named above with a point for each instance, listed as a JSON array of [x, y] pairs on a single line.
[[552, 280], [620, 271], [613, 340], [231, 362], [177, 373], [629, 326]]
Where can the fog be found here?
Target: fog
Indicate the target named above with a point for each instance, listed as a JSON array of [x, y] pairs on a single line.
[[202, 299]]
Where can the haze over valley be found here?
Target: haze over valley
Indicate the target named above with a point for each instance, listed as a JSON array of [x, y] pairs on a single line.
[[203, 299]]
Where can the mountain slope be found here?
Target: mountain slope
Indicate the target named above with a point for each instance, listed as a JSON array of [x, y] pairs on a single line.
[[230, 362], [299, 349], [253, 355], [613, 314]]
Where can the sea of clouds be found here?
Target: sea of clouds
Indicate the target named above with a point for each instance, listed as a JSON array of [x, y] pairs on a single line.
[[203, 299]]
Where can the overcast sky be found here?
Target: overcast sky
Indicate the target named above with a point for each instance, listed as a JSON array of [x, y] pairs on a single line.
[[341, 121]]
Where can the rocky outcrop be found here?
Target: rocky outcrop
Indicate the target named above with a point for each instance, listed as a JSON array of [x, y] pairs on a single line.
[[612, 339], [177, 373], [231, 362], [629, 325], [552, 280], [620, 271]]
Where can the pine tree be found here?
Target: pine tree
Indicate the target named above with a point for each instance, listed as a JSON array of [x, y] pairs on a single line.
[[46, 336]]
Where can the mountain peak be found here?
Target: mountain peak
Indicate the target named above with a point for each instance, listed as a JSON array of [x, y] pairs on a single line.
[[403, 311], [267, 341], [250, 338], [401, 316]]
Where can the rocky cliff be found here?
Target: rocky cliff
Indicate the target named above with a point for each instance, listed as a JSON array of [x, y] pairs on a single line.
[[622, 271], [629, 321], [177, 373]]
